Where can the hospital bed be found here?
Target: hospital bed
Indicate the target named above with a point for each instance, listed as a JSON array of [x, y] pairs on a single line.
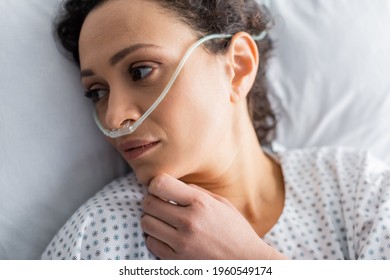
[[329, 85]]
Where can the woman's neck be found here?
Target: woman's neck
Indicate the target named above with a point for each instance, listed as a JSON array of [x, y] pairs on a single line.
[[249, 179]]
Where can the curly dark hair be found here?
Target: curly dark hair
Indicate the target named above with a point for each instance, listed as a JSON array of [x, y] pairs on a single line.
[[204, 17]]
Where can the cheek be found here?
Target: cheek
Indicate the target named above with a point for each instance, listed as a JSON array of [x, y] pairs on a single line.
[[201, 97], [193, 120], [197, 114]]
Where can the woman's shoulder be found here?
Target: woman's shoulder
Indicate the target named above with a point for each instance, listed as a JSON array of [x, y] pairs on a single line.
[[342, 165], [107, 226], [125, 188], [354, 183], [325, 152], [331, 156]]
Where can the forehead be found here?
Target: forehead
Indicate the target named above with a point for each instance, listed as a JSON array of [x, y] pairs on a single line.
[[116, 24]]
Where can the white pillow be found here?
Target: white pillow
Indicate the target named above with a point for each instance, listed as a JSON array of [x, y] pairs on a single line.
[[330, 73], [52, 156]]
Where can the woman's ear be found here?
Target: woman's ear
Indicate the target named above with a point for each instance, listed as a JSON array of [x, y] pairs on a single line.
[[243, 61]]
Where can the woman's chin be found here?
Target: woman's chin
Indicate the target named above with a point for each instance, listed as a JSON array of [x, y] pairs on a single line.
[[143, 177], [146, 176]]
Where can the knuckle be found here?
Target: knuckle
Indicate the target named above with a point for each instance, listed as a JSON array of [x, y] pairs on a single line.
[[160, 249], [225, 201], [145, 223], [185, 222], [200, 201], [147, 202], [157, 183], [183, 244], [190, 225]]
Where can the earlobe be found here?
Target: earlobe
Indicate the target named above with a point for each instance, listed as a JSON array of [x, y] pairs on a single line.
[[243, 62]]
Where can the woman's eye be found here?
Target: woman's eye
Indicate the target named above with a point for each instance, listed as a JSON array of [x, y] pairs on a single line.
[[139, 73], [96, 94]]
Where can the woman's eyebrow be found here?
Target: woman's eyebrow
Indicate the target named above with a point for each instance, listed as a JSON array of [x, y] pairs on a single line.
[[116, 58], [86, 73]]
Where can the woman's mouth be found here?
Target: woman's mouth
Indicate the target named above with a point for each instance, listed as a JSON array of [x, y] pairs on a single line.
[[136, 149]]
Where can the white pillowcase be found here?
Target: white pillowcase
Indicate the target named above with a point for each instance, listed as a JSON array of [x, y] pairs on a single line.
[[52, 155], [330, 73]]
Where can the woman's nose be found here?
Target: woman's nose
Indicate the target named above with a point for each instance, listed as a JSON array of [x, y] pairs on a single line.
[[121, 109]]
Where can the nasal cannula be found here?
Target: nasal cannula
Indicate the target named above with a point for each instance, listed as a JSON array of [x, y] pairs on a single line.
[[129, 128]]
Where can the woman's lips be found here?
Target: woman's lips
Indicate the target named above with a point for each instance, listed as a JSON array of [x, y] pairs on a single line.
[[135, 149]]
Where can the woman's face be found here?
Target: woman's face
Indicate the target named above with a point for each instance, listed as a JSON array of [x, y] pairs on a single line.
[[128, 52]]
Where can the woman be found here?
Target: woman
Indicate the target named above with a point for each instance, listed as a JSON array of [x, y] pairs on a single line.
[[202, 186]]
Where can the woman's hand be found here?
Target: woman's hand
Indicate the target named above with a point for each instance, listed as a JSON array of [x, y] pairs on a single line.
[[187, 222]]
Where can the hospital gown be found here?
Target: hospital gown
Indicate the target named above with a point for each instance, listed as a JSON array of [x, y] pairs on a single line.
[[337, 206]]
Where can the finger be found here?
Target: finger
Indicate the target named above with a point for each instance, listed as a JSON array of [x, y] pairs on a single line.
[[215, 196], [172, 189], [158, 229], [163, 210], [159, 248]]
